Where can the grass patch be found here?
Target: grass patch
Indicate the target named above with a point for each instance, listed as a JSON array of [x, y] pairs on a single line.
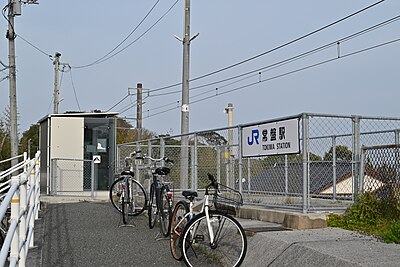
[[372, 216]]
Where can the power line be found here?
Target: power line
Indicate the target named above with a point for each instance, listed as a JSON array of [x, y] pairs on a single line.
[[34, 46], [119, 102], [282, 75], [131, 43], [255, 72], [126, 38], [284, 62], [73, 87], [273, 49]]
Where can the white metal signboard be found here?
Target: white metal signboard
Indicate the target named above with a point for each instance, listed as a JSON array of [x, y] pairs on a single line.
[[97, 159], [273, 138]]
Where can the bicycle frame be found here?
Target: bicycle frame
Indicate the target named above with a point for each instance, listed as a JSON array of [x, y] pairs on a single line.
[[205, 209]]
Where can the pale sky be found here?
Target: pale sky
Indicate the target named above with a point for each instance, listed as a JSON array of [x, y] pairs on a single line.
[[231, 31]]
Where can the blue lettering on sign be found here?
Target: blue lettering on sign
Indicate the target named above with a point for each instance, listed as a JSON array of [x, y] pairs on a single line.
[[254, 137]]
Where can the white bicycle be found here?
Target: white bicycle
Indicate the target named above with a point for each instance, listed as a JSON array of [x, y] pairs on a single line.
[[212, 237]]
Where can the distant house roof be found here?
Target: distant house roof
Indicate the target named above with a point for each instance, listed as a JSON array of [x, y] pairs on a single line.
[[321, 176]]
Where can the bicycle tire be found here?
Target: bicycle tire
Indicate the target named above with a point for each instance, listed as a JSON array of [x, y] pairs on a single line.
[[124, 205], [175, 239], [137, 202], [165, 211], [229, 248], [152, 210]]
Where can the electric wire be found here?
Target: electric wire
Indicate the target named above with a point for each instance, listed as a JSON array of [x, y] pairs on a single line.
[[131, 43], [282, 75], [119, 102], [73, 87], [258, 71], [34, 46], [273, 49], [123, 41]]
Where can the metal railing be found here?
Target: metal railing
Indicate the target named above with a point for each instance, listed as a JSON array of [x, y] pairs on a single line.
[[22, 198]]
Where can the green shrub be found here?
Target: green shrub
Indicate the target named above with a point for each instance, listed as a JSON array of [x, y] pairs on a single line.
[[393, 234], [370, 215]]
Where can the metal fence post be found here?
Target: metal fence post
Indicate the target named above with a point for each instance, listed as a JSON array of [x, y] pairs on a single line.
[[240, 160], [305, 121], [356, 157], [162, 147], [219, 164], [91, 178], [15, 207], [195, 163], [286, 176], [334, 167]]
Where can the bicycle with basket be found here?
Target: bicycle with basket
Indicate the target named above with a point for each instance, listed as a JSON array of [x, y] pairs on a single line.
[[213, 236]]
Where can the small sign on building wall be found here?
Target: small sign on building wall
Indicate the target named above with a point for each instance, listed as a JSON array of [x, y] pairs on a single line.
[[97, 159]]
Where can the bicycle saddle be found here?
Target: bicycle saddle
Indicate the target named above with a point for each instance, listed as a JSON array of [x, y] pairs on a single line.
[[188, 193], [128, 173], [162, 170]]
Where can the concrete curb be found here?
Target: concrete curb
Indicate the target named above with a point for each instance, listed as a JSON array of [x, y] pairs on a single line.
[[319, 247], [288, 219]]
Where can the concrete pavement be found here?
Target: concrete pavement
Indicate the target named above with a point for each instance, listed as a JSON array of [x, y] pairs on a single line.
[[269, 243]]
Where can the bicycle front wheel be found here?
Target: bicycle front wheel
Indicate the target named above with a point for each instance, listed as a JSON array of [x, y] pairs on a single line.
[[152, 210], [178, 223], [229, 246], [165, 210]]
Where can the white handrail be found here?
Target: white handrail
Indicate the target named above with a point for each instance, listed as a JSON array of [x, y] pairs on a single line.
[[23, 198]]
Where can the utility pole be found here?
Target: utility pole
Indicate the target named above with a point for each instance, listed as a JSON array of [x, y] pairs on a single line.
[[139, 111], [14, 9], [56, 63], [184, 175]]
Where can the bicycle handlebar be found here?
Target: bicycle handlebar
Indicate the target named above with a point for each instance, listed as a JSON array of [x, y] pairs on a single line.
[[213, 183], [166, 159]]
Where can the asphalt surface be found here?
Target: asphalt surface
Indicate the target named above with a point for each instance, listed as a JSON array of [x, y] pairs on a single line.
[[90, 234]]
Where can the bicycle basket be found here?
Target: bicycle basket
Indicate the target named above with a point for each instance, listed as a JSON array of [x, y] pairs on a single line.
[[227, 200]]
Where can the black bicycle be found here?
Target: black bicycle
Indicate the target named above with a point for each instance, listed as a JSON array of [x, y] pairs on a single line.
[[127, 195], [160, 201]]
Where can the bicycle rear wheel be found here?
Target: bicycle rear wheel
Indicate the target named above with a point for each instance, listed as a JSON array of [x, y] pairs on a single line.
[[136, 198], [178, 223], [228, 249], [152, 210], [165, 211]]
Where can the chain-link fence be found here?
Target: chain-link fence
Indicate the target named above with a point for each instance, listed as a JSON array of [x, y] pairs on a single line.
[[381, 166], [325, 175], [72, 177]]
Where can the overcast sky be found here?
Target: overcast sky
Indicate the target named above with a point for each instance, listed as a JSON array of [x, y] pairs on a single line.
[[356, 78]]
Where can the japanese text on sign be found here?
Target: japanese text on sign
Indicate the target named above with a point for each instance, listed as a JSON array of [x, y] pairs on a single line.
[[275, 138]]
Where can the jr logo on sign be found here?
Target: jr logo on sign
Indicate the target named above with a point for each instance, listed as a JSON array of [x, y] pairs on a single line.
[[254, 137]]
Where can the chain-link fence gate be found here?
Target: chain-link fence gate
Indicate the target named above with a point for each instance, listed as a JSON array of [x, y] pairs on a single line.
[[324, 176], [72, 177]]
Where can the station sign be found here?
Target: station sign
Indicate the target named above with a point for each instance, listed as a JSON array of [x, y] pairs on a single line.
[[272, 138]]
